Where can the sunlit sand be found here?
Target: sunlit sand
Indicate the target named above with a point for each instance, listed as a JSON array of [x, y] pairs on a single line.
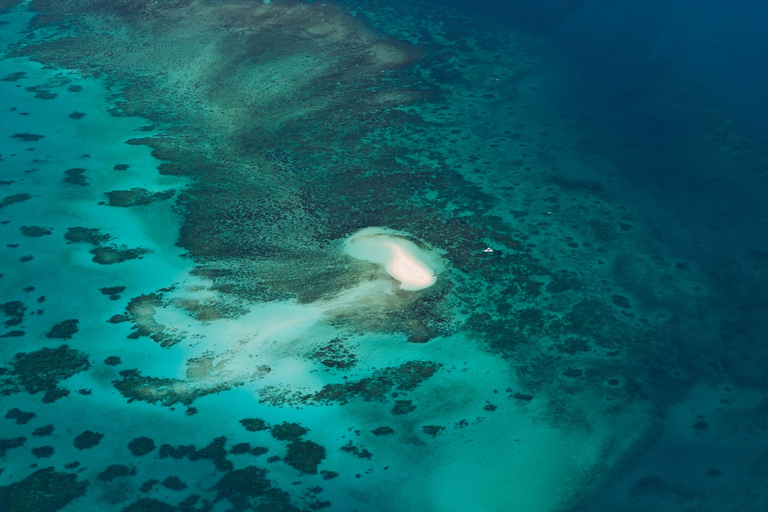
[[401, 258]]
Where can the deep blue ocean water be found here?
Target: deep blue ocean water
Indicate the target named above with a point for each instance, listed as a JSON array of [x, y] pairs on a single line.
[[618, 46], [613, 61]]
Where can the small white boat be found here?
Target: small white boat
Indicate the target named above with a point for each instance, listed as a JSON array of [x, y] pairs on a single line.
[[487, 249]]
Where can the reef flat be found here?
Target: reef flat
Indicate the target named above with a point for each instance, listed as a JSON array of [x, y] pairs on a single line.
[[187, 329]]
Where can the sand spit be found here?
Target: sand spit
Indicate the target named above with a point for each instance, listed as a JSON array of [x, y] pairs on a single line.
[[401, 258]]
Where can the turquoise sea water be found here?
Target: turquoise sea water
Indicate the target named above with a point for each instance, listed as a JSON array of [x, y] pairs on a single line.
[[184, 330]]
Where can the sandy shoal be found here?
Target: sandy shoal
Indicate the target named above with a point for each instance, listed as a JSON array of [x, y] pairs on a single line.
[[413, 267]]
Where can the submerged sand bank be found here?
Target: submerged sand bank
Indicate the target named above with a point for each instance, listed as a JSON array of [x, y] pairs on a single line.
[[415, 268]]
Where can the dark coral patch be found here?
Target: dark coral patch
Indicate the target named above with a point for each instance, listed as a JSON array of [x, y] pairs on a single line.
[[113, 361], [113, 254], [150, 505], [403, 407], [116, 471], [357, 451], [562, 281], [87, 440], [13, 77], [15, 198], [178, 452], [41, 92], [112, 291], [216, 453], [45, 490], [288, 431], [76, 176], [335, 355], [240, 448], [85, 235], [141, 446], [76, 115], [573, 345], [383, 431], [43, 431], [19, 416], [14, 442], [149, 485], [432, 430], [42, 370], [15, 310], [245, 487], [168, 169], [63, 330], [254, 424], [43, 452], [621, 301], [174, 483], [35, 231], [136, 197], [168, 392], [382, 384], [51, 395], [523, 397], [304, 456], [243, 448], [28, 137]]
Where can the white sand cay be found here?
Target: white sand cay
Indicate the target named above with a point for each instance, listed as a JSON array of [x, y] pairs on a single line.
[[402, 259]]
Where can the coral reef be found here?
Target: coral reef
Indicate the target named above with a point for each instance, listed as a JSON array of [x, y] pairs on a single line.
[[42, 370], [87, 440], [141, 446], [136, 197], [254, 424], [15, 310], [63, 330], [116, 471], [76, 176], [114, 254], [28, 137], [304, 456], [85, 235], [15, 198], [19, 416], [35, 231], [288, 431], [45, 490]]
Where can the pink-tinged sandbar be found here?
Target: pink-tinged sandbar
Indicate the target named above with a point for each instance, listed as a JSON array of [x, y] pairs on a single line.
[[415, 268]]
